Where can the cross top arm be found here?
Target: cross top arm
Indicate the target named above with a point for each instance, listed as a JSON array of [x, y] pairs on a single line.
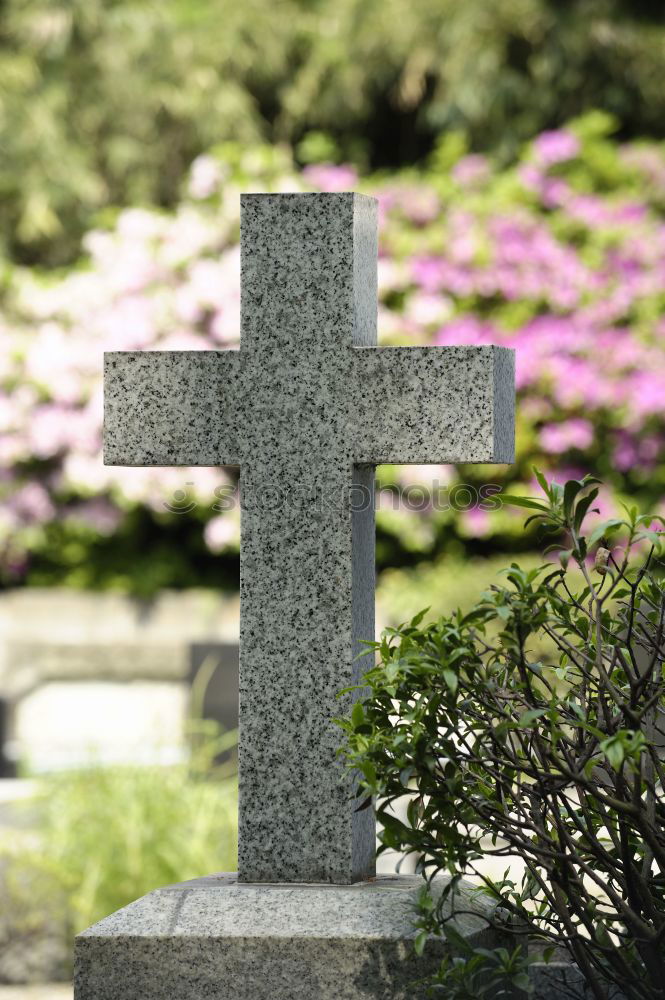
[[172, 408], [428, 405]]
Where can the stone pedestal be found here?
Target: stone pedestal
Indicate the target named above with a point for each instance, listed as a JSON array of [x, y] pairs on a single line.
[[216, 939]]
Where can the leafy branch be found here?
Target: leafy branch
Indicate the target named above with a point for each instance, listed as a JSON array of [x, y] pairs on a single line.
[[533, 727]]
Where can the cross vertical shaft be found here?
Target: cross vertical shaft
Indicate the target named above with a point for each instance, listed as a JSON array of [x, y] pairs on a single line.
[[308, 270]]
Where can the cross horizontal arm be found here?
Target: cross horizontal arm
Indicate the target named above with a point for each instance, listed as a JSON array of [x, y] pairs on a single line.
[[428, 405], [171, 408]]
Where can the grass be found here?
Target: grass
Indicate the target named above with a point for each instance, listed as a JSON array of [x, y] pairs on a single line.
[[100, 837]]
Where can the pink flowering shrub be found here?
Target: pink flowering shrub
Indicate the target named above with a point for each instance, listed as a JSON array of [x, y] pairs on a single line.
[[561, 256]]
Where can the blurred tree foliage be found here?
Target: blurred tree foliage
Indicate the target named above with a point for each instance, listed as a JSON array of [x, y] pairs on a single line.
[[106, 102]]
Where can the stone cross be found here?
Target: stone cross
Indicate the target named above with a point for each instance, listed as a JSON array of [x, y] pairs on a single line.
[[307, 408]]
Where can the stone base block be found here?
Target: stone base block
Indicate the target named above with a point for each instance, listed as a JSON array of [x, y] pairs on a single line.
[[216, 939]]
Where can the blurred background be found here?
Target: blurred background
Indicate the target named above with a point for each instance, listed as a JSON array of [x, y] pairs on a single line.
[[516, 150]]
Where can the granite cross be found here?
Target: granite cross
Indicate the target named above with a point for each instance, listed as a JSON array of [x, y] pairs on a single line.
[[307, 408]]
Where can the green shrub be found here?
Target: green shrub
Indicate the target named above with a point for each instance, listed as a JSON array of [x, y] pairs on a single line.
[[555, 759]]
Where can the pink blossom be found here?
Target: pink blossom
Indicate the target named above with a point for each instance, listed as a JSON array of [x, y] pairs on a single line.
[[392, 275], [7, 412], [531, 177], [54, 429], [432, 476], [424, 309], [648, 161], [189, 234], [225, 328], [129, 265], [222, 532], [555, 146], [128, 324], [48, 362], [12, 449], [205, 177], [462, 246], [202, 292], [99, 513], [590, 209], [630, 211], [466, 330], [644, 392], [428, 272], [575, 433], [225, 324], [630, 449], [420, 205], [555, 192], [31, 503], [86, 472], [329, 177], [390, 325], [476, 522], [140, 226], [184, 340], [471, 170]]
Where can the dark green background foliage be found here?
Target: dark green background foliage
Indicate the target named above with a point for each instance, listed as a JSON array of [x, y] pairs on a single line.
[[106, 102]]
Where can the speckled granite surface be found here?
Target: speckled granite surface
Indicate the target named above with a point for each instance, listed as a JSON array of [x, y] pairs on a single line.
[[217, 939], [307, 407]]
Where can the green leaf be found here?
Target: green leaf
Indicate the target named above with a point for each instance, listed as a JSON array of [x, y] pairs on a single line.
[[614, 750], [580, 552], [420, 941], [606, 528], [570, 491], [534, 517], [582, 509], [416, 620], [527, 718], [369, 771], [451, 680], [358, 715], [652, 536], [522, 981], [459, 942], [531, 504], [542, 482]]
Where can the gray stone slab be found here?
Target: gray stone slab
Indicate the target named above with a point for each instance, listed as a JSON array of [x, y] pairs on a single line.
[[558, 981], [306, 408], [65, 634], [562, 980], [217, 939], [118, 668]]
